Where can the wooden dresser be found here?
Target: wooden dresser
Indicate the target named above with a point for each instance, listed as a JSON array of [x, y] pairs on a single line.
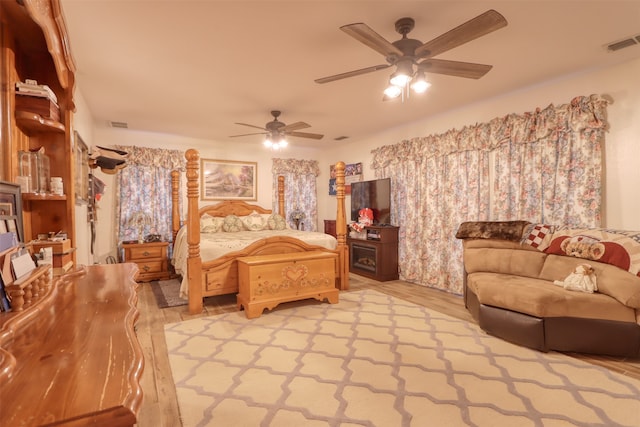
[[151, 258], [71, 357]]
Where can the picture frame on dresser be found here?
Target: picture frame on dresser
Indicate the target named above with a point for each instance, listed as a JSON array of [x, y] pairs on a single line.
[[228, 180], [11, 208]]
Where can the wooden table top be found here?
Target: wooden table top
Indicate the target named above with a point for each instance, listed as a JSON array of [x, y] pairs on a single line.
[[77, 357]]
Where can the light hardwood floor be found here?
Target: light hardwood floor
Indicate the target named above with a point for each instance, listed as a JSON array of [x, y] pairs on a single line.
[[160, 407]]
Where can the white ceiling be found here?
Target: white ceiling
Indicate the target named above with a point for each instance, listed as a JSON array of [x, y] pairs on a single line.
[[193, 68]]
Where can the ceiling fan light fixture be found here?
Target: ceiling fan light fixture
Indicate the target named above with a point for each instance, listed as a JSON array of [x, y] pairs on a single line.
[[420, 84], [399, 79], [267, 142], [402, 76], [393, 91]]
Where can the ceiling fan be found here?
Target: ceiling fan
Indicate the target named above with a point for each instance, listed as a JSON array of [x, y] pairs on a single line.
[[408, 53], [276, 130]]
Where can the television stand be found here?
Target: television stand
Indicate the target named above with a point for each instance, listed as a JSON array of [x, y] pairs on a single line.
[[376, 256]]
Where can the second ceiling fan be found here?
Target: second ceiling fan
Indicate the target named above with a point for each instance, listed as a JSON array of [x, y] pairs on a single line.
[[276, 130], [413, 58]]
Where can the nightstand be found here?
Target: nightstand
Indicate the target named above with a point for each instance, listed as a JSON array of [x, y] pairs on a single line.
[[151, 258]]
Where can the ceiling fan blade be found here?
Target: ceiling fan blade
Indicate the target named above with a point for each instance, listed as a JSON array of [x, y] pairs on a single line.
[[468, 70], [247, 134], [306, 135], [295, 126], [352, 73], [470, 30], [364, 34], [251, 126]]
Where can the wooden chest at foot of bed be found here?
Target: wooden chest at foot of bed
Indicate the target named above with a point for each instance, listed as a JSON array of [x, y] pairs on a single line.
[[268, 280]]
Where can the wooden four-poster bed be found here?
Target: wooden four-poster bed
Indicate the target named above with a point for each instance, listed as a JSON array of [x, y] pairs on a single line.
[[203, 276]]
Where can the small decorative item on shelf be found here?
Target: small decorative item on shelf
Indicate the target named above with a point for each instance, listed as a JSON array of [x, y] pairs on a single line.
[[365, 218], [297, 216], [139, 220]]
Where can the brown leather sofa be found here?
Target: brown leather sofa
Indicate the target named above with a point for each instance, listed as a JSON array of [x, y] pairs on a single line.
[[509, 290]]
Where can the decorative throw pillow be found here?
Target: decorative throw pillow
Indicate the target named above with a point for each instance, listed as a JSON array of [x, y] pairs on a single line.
[[210, 224], [254, 222], [232, 224], [538, 235], [276, 222], [615, 247]]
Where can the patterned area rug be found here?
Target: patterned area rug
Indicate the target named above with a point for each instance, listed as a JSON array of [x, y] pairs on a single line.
[[376, 360], [167, 293]]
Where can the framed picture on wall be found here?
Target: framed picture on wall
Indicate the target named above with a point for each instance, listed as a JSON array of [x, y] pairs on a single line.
[[11, 207], [228, 180]]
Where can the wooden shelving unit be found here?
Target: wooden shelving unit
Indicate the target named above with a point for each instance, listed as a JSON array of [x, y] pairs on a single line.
[[34, 45]]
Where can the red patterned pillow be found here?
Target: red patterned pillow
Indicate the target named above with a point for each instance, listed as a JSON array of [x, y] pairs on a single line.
[[616, 247], [538, 235]]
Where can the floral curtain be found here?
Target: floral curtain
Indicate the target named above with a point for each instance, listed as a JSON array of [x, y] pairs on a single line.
[[550, 168], [300, 190], [546, 167], [144, 189]]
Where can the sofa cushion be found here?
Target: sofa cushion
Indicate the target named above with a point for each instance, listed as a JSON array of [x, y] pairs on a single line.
[[541, 298], [526, 263]]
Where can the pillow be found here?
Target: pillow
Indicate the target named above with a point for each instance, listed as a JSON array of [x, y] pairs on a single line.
[[276, 222], [232, 224], [505, 230], [210, 224], [615, 247], [538, 235], [254, 222]]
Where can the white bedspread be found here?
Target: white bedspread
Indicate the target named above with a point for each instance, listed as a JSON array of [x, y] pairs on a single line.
[[214, 245]]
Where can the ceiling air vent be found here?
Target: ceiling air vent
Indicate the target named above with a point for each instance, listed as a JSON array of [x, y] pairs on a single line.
[[340, 138], [623, 43], [121, 125]]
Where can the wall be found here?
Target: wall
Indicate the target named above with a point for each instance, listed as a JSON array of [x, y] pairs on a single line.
[[622, 150], [106, 243]]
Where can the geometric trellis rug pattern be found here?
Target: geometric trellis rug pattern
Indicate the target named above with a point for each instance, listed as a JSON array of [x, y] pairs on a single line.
[[376, 360]]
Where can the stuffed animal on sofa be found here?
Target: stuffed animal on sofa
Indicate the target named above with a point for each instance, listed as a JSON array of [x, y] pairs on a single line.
[[582, 279]]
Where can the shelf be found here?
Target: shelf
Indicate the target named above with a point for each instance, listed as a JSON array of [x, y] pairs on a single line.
[[32, 123], [43, 197]]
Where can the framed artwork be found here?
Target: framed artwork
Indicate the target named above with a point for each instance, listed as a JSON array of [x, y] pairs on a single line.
[[82, 170], [228, 180], [11, 207], [352, 173]]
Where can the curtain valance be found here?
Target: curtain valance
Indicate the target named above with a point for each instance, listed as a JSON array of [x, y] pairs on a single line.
[[157, 157], [296, 167], [583, 114]]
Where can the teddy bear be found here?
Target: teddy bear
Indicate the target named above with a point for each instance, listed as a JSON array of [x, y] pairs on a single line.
[[582, 279], [583, 247]]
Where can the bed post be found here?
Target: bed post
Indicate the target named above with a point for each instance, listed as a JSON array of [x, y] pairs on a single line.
[[281, 196], [194, 262], [175, 203], [341, 227]]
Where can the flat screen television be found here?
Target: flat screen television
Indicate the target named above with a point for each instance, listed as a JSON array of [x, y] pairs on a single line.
[[374, 194]]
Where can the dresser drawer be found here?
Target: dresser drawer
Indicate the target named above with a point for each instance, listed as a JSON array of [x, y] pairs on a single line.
[[145, 252]]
